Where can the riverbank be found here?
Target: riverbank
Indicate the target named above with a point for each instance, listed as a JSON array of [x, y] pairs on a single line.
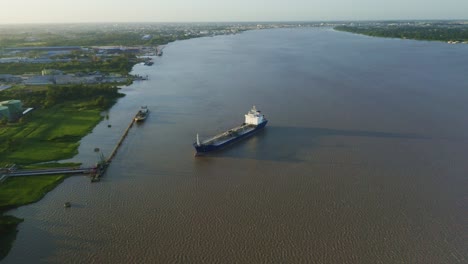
[[18, 191], [46, 134], [8, 232], [49, 134]]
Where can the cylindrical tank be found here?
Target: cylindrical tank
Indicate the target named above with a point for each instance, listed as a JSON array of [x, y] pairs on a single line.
[[4, 112], [15, 106]]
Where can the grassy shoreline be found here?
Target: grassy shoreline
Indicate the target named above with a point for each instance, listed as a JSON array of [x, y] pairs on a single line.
[[32, 189], [18, 191], [46, 134]]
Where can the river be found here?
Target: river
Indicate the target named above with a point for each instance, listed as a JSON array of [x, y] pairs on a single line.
[[363, 159]]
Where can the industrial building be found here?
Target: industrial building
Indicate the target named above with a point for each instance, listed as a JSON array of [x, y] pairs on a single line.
[[11, 109]]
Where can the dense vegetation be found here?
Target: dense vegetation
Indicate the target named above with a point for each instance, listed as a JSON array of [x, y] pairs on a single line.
[[94, 38], [434, 32], [106, 34], [119, 64], [99, 96]]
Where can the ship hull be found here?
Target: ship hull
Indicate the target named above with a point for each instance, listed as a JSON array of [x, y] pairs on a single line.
[[205, 148], [141, 115], [140, 118]]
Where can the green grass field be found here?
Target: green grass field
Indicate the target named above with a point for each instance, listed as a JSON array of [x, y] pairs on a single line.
[[47, 135], [17, 191]]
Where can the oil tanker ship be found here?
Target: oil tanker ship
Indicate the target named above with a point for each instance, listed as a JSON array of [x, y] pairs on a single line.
[[254, 121]]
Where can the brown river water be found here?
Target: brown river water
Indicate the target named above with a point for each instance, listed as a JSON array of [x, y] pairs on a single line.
[[364, 159]]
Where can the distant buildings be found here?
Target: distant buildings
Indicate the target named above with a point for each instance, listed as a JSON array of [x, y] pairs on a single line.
[[10, 78], [73, 79], [54, 48], [35, 60], [116, 49], [40, 80], [51, 72], [51, 77]]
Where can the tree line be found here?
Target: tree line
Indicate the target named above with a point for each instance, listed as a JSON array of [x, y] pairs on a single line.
[[121, 64], [93, 96], [438, 33]]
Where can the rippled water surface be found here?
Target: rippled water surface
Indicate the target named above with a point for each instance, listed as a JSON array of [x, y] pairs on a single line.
[[364, 159]]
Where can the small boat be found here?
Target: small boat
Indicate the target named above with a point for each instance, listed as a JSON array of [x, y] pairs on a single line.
[[67, 204], [142, 114]]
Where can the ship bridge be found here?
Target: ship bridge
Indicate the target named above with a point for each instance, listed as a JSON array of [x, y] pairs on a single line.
[[254, 117]]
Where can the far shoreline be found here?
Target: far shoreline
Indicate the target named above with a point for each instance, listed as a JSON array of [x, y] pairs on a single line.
[[416, 34]]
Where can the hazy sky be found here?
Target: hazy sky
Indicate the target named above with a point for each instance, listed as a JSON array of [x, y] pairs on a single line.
[[58, 11]]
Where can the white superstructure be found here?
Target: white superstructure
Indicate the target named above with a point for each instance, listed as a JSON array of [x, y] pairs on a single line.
[[254, 117]]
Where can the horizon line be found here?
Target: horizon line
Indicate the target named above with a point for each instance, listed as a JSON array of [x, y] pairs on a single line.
[[241, 21]]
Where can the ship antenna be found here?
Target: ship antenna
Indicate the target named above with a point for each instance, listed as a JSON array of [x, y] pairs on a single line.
[[198, 140]]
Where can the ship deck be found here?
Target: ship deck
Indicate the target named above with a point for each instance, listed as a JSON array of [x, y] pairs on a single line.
[[228, 135]]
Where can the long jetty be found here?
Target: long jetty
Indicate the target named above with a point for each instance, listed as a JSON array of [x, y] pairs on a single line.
[[119, 143], [102, 166]]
